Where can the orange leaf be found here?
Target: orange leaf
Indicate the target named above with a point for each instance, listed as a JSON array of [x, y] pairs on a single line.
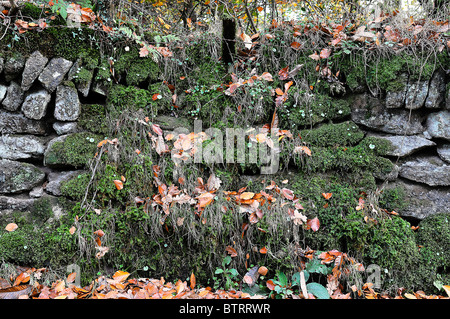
[[205, 199], [247, 195], [143, 52], [248, 279], [315, 56], [120, 275], [72, 230], [231, 251], [11, 227], [71, 277], [60, 286], [22, 278], [118, 183], [262, 270], [263, 250], [157, 129], [192, 281], [325, 53], [279, 91], [447, 289], [287, 193], [314, 224], [327, 195], [270, 284], [99, 233], [296, 45]]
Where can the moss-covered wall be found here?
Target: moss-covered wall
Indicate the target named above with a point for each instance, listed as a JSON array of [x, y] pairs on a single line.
[[113, 139]]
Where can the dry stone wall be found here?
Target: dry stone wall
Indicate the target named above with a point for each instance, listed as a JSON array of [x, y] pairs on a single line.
[[40, 107]]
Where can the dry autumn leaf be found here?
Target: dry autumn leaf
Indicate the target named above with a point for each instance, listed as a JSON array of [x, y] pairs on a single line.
[[327, 195], [120, 276], [192, 281], [231, 251], [247, 195], [118, 184], [314, 224], [11, 227], [72, 230], [262, 270], [71, 277]]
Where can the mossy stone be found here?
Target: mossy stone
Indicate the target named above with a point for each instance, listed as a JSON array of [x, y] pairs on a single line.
[[73, 150]]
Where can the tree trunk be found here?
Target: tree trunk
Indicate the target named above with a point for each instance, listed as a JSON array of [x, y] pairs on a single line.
[[229, 40]]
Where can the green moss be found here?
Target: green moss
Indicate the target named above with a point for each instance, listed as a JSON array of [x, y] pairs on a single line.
[[346, 159], [136, 69], [319, 109], [93, 118], [38, 244], [75, 150], [343, 134], [433, 236], [393, 199], [30, 10], [75, 187], [122, 98], [384, 71]]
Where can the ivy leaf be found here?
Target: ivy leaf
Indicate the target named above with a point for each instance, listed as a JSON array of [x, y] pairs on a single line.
[[318, 290]]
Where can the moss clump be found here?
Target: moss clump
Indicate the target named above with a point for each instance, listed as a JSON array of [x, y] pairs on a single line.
[[131, 98], [300, 112], [38, 243], [393, 199], [433, 236], [135, 69], [75, 188], [93, 118], [347, 159], [384, 71], [75, 150], [386, 241], [343, 134]]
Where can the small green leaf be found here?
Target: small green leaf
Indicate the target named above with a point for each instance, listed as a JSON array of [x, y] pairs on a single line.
[[282, 278], [318, 290], [218, 271]]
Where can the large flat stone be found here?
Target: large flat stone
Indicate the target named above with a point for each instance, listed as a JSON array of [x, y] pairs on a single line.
[[430, 170], [14, 203], [405, 145], [421, 200], [372, 113], [15, 123], [21, 147], [17, 177]]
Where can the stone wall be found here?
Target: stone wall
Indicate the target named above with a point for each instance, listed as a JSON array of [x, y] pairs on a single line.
[[40, 110]]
